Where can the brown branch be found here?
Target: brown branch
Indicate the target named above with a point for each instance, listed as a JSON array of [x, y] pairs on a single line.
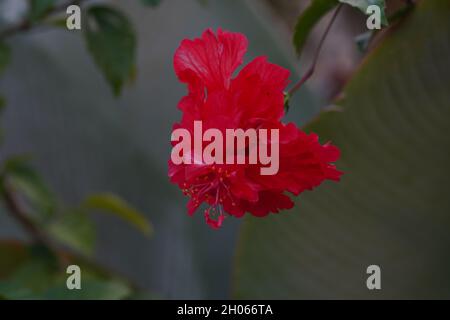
[[27, 24], [311, 69], [21, 216]]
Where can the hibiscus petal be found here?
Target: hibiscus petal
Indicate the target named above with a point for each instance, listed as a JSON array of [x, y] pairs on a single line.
[[304, 162], [211, 58], [258, 90], [270, 202]]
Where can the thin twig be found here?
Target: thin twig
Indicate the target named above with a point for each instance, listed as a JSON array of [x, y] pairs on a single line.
[[311, 69], [27, 24], [21, 216]]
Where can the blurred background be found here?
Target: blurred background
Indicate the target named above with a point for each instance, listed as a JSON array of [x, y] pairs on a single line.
[[83, 140]]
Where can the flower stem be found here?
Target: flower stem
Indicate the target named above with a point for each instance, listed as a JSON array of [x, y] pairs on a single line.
[[311, 69]]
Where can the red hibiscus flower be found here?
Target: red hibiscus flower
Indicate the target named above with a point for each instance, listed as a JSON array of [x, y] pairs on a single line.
[[252, 99]]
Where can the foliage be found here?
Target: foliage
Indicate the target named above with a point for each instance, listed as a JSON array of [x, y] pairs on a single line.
[[110, 203], [318, 8], [308, 19], [111, 40], [39, 8], [65, 234], [32, 272], [5, 54], [391, 207], [394, 192], [151, 3], [364, 4]]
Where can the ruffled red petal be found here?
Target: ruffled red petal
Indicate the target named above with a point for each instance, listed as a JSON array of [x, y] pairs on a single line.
[[212, 59]]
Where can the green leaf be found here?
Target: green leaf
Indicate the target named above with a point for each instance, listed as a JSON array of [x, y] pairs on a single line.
[[32, 272], [363, 40], [12, 254], [392, 206], [33, 275], [111, 41], [5, 56], [91, 289], [110, 203], [10, 290], [76, 230], [57, 23], [28, 182], [151, 3], [39, 8], [363, 4], [308, 19]]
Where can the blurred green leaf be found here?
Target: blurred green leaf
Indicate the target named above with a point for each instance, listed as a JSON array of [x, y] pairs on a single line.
[[23, 178], [318, 8], [151, 3], [12, 254], [308, 19], [363, 40], [392, 207], [363, 4], [76, 230], [203, 3], [5, 56], [91, 289], [58, 23], [32, 272], [39, 8], [111, 40], [110, 203], [10, 290], [30, 277]]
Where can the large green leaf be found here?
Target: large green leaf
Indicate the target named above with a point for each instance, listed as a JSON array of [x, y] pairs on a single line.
[[111, 40], [392, 206]]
